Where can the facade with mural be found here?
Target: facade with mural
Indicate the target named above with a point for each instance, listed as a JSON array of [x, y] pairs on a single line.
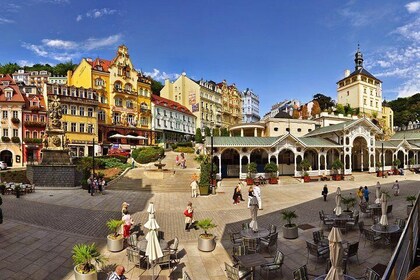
[[231, 104]]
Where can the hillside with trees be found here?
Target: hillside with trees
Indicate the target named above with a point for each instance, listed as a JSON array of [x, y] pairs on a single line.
[[405, 109], [57, 70]]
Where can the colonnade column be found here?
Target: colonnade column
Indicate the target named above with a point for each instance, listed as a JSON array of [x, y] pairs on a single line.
[[255, 132], [242, 132], [319, 164], [220, 165], [240, 166]]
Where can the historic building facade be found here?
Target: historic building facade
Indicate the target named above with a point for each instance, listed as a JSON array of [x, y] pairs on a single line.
[[172, 122], [286, 106], [12, 103], [231, 104], [202, 98], [250, 106]]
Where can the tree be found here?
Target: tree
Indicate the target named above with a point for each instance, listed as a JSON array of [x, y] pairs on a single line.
[[348, 110], [296, 114], [316, 110], [207, 131], [339, 109], [324, 102], [9, 68], [156, 87], [224, 132], [216, 131], [62, 68], [305, 114], [198, 136]]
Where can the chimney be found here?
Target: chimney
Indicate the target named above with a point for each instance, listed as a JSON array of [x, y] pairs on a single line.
[[346, 73]]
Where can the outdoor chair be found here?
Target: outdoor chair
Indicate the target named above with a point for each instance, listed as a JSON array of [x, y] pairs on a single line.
[[235, 238], [319, 238], [251, 244], [271, 242], [164, 260], [173, 248], [235, 273], [343, 265], [132, 241], [301, 273], [351, 251], [361, 225], [389, 210], [245, 226], [273, 229], [371, 236], [351, 224], [341, 224], [325, 221], [161, 235], [364, 209], [377, 212], [134, 256], [185, 276], [238, 251], [276, 264], [371, 275], [401, 223], [318, 252]]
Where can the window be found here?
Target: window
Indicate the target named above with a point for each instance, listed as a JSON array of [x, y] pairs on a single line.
[[42, 118], [90, 128], [144, 121], [364, 101], [34, 118], [99, 82], [299, 129], [128, 87], [15, 132], [130, 119], [73, 110], [89, 95], [117, 118], [64, 109], [288, 129], [55, 90], [371, 103], [5, 132], [35, 134], [309, 130], [90, 112], [101, 115], [81, 111], [73, 127], [82, 127], [118, 86], [28, 134], [118, 102], [129, 104], [15, 114], [65, 91], [348, 93], [276, 129], [65, 126], [5, 115]]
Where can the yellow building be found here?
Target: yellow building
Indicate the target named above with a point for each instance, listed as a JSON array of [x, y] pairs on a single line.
[[79, 121], [231, 104], [361, 90], [202, 98], [123, 94]]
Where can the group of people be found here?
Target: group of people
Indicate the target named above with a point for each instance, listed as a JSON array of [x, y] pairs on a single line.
[[95, 184], [253, 191], [180, 160]]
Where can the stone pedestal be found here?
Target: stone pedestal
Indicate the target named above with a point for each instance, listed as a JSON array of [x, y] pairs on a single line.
[[53, 175], [55, 157]]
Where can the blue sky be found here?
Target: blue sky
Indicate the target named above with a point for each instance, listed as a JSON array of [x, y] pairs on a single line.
[[281, 49]]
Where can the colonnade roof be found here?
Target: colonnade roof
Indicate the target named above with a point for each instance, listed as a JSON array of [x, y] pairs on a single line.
[[407, 134]]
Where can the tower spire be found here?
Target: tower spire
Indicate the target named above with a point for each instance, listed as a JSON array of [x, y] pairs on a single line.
[[358, 58]]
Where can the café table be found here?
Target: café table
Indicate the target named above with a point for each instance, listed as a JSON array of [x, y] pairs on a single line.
[[334, 217], [346, 277], [251, 261], [385, 230], [249, 233], [142, 244]]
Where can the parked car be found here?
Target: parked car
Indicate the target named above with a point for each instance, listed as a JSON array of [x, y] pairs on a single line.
[[3, 165]]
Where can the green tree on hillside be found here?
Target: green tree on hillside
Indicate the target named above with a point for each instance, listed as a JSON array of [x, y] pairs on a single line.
[[9, 68], [325, 102], [156, 87]]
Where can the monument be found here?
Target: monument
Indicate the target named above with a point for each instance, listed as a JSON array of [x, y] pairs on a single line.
[[56, 168]]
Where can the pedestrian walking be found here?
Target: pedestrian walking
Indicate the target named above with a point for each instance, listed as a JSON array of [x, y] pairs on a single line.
[[189, 213], [177, 160], [118, 274], [360, 194], [239, 190], [194, 187], [103, 184], [89, 182], [366, 194], [325, 192], [236, 194], [257, 194], [396, 188], [250, 195], [128, 221]]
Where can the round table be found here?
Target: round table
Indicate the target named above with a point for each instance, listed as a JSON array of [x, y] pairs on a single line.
[[388, 229], [340, 217], [142, 244], [346, 277], [249, 233]]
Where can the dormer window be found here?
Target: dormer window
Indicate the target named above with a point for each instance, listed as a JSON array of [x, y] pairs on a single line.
[[9, 94], [5, 83], [99, 67]]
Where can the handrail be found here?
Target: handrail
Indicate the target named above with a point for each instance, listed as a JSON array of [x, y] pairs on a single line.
[[409, 240]]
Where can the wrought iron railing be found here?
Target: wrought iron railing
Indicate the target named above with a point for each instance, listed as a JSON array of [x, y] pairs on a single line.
[[403, 257]]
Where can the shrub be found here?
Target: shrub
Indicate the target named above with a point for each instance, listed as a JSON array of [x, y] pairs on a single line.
[[150, 154], [84, 255], [198, 136], [184, 144], [5, 139], [114, 226], [188, 150], [15, 120], [121, 158], [15, 139], [32, 140]]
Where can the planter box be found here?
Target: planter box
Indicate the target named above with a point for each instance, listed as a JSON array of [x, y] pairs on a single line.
[[115, 245], [290, 232], [337, 177], [379, 173], [206, 244], [249, 181], [204, 190], [306, 179], [90, 276], [273, 181]]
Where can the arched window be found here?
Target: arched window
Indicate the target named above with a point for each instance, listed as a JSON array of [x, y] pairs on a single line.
[[129, 104], [118, 86], [118, 102], [128, 87]]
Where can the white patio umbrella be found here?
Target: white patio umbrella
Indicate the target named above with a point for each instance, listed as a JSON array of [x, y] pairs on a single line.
[[384, 218], [117, 136], [378, 193], [337, 209], [153, 250], [336, 255], [254, 211]]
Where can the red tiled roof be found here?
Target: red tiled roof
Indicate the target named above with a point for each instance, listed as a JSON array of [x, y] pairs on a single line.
[[17, 95], [31, 97], [102, 62], [157, 100]]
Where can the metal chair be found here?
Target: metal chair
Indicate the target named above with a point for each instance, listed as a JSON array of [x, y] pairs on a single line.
[[361, 225], [185, 276], [273, 229], [134, 256], [238, 251], [235, 273], [370, 274], [318, 252], [341, 224], [319, 238], [164, 260], [235, 238], [173, 248], [401, 223], [301, 273], [364, 209], [132, 241], [271, 242], [351, 224], [245, 226], [371, 236], [351, 251], [276, 264], [251, 244], [389, 210]]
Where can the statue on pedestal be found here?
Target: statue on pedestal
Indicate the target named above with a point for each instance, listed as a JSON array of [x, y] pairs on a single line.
[[55, 113]]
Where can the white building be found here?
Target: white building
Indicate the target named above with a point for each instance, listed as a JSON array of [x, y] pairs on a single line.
[[59, 80], [21, 76], [250, 106], [171, 121], [286, 106]]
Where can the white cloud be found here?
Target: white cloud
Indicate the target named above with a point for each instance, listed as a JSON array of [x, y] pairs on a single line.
[[413, 7], [97, 13], [5, 20], [23, 62], [161, 76], [410, 31], [53, 48]]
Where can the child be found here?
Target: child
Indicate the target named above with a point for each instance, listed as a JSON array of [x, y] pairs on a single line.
[[128, 221], [396, 186]]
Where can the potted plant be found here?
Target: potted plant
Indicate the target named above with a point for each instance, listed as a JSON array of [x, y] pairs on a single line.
[[204, 183], [252, 169], [378, 169], [411, 199], [290, 230], [305, 165], [115, 241], [15, 120], [271, 168], [396, 163], [206, 241], [83, 257], [349, 201], [337, 166]]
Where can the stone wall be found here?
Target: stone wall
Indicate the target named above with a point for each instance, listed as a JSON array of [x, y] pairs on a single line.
[[53, 175]]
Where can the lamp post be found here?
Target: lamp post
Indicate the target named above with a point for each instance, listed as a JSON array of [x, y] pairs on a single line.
[[383, 163], [211, 158], [93, 156]]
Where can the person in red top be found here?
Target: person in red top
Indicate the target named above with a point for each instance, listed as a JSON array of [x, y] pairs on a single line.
[[127, 223], [188, 213]]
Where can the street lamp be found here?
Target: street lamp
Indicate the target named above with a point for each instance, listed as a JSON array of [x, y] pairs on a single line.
[[211, 158]]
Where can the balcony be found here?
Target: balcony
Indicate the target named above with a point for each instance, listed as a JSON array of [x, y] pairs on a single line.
[[145, 111], [35, 124]]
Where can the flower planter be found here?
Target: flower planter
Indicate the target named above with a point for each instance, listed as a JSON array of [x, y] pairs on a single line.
[[306, 179], [396, 172], [204, 190], [337, 177], [290, 232], [273, 181], [206, 244], [115, 244], [93, 275], [249, 181], [379, 173]]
